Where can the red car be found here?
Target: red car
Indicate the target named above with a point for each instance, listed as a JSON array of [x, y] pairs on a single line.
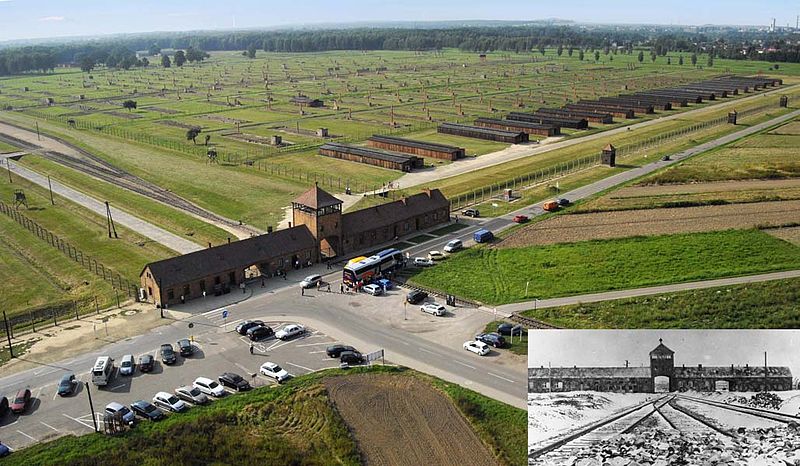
[[520, 218], [21, 401]]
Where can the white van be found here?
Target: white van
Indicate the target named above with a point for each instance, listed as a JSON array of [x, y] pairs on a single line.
[[102, 370], [453, 245]]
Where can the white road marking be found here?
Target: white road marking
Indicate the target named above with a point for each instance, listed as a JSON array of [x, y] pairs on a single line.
[[11, 424], [426, 351], [315, 352], [314, 344], [117, 386], [23, 433], [465, 365], [501, 377], [234, 323], [48, 425], [278, 344], [243, 368], [301, 367]]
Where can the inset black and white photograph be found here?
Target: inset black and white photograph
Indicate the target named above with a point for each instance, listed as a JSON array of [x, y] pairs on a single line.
[[663, 397]]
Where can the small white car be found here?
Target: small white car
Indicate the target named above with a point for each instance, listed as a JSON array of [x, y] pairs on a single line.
[[478, 347], [422, 262], [311, 281], [373, 289], [453, 245], [289, 331], [436, 255], [209, 387], [435, 309], [170, 402], [270, 369], [127, 365]]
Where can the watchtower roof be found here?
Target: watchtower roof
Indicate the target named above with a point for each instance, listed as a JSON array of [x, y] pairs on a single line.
[[317, 198], [661, 348], [609, 147]]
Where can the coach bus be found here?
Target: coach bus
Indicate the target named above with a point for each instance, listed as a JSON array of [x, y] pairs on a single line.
[[102, 370], [372, 267]]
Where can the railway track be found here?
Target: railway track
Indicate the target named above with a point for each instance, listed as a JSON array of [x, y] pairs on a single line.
[[757, 412], [527, 322], [101, 169]]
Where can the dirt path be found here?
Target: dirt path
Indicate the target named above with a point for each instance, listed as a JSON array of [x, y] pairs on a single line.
[[711, 187], [620, 224], [404, 421], [63, 153]]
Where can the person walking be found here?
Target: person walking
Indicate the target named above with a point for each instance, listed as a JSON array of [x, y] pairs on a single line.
[[251, 348], [341, 288], [302, 291]]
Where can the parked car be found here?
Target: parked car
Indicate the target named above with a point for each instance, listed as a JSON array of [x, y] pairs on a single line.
[[478, 347], [4, 450], [453, 246], [508, 329], [351, 357], [209, 387], [373, 289], [385, 284], [433, 309], [21, 401], [422, 262], [563, 202], [482, 236], [127, 414], [492, 338], [416, 296], [475, 213], [270, 369], [550, 206], [520, 218], [147, 410], [311, 281], [168, 355], [146, 362], [243, 327], [436, 256], [260, 332], [169, 402], [191, 394], [127, 365], [185, 347], [289, 331], [4, 409], [66, 386], [235, 381], [665, 158], [334, 351]]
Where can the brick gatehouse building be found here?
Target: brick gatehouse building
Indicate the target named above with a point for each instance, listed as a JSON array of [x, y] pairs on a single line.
[[319, 231], [660, 376]]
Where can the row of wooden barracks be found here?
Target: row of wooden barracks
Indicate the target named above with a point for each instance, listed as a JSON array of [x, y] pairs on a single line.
[[319, 231], [661, 376]]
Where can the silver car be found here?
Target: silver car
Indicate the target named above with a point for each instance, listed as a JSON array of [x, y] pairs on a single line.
[[191, 394]]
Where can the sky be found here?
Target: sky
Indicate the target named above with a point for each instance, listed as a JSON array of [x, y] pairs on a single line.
[[27, 19], [611, 348]]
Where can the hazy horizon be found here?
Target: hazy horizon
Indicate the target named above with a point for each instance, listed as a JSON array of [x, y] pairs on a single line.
[[52, 19]]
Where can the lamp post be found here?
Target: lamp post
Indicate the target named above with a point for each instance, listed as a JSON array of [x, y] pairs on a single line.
[[91, 406]]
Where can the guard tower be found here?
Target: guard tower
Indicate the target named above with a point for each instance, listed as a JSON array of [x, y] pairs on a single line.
[[322, 214], [662, 368], [609, 155], [732, 117], [784, 101]]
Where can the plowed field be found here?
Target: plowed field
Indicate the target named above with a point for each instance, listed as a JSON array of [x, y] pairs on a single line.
[[620, 224], [404, 421]]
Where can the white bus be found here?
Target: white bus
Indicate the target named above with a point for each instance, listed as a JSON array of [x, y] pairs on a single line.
[[102, 370]]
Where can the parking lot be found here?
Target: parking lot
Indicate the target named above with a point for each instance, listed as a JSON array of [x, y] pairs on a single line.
[[49, 415]]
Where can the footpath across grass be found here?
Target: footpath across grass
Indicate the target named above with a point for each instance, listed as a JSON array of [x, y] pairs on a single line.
[[771, 304], [500, 276]]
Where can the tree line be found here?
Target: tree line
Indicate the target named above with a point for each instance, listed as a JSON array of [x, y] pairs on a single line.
[[121, 52]]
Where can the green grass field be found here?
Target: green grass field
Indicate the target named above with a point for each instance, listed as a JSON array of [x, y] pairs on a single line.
[[756, 305], [292, 424], [519, 344], [499, 276]]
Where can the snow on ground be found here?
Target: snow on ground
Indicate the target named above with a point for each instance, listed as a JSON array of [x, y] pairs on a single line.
[[790, 405], [727, 418], [553, 414]]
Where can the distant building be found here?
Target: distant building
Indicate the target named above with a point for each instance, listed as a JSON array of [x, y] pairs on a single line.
[[306, 101], [660, 376]]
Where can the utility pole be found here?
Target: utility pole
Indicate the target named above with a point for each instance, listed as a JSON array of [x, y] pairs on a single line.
[[765, 372], [91, 406], [50, 185], [8, 167], [38, 136], [8, 334], [110, 222]]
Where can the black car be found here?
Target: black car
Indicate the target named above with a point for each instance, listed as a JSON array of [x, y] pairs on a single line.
[[67, 385], [242, 328], [147, 410], [235, 381], [168, 354], [491, 339], [146, 362], [351, 357], [475, 213], [335, 351], [3, 406], [416, 296], [508, 329], [185, 347], [563, 202], [260, 332]]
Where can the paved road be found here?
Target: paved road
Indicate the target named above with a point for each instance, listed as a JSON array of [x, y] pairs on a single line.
[[515, 152], [147, 229]]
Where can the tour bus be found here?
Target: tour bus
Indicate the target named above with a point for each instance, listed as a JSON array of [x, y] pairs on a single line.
[[102, 370], [372, 267]]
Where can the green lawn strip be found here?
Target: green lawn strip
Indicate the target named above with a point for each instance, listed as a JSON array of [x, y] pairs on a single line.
[[770, 304], [294, 423], [419, 239], [500, 276], [5, 148], [519, 345], [19, 350], [452, 228]]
